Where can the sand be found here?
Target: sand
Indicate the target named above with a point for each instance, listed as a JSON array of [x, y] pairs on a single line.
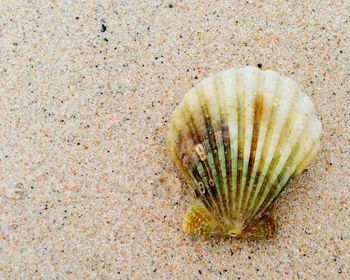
[[87, 188]]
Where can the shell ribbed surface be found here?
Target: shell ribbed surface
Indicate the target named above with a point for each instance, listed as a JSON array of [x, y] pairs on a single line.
[[238, 137]]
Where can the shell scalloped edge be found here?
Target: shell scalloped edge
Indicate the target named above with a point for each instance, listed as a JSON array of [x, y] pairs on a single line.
[[238, 137]]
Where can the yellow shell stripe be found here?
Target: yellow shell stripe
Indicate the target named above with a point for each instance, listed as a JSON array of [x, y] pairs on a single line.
[[277, 121]]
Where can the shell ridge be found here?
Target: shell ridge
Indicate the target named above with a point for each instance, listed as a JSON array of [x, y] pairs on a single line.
[[265, 148], [235, 166], [203, 190], [212, 156], [267, 98], [248, 94], [290, 136], [272, 163], [223, 149], [240, 137], [245, 95], [229, 84], [277, 186], [227, 146], [280, 183], [214, 191], [256, 115], [219, 155], [180, 162], [205, 179], [210, 200], [284, 179], [288, 145], [281, 166], [228, 166]]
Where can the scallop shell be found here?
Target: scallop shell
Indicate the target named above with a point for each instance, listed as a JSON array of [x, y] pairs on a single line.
[[238, 137]]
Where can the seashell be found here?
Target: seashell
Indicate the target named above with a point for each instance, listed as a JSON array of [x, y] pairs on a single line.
[[238, 137]]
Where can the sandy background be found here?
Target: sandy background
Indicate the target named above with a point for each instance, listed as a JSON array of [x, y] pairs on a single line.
[[87, 188]]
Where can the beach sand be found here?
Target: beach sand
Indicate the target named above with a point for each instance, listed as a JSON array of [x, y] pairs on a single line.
[[87, 187]]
